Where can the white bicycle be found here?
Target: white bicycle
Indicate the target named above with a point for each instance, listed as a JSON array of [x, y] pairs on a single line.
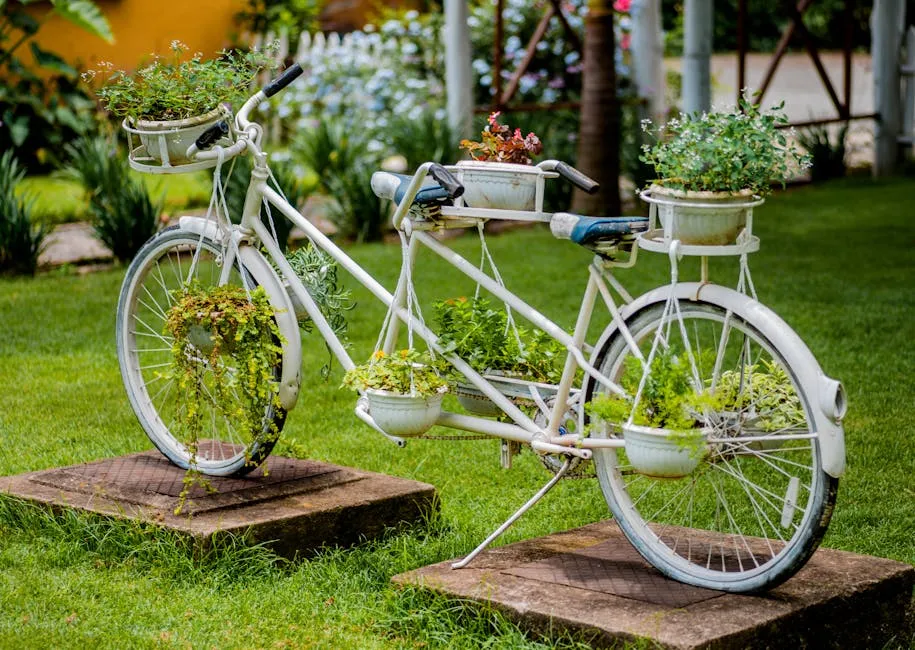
[[746, 517]]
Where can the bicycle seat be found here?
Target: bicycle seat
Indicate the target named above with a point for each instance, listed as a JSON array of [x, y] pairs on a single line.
[[591, 231], [388, 185]]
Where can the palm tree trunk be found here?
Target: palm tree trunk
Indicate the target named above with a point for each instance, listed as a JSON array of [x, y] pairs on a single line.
[[599, 134]]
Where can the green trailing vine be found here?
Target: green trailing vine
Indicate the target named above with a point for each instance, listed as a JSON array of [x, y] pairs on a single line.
[[226, 346]]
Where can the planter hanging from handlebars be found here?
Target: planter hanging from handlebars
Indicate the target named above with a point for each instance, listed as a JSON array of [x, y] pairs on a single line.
[[499, 186], [161, 146]]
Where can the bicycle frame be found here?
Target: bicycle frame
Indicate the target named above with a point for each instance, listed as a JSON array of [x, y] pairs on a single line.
[[523, 429]]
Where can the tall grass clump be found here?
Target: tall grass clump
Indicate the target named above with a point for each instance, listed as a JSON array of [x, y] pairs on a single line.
[[123, 215], [20, 239]]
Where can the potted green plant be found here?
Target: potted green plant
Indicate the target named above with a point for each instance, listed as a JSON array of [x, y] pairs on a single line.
[[713, 167], [484, 338], [762, 399], [663, 428], [500, 175], [171, 100], [404, 391]]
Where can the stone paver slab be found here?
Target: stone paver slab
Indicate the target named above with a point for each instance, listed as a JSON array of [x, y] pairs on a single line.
[[592, 583], [296, 506]]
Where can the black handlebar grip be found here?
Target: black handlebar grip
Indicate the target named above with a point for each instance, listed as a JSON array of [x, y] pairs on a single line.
[[447, 180], [289, 75], [212, 135], [577, 179]]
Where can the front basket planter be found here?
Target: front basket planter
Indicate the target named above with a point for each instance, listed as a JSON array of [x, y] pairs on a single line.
[[167, 141], [499, 186], [702, 218], [404, 415], [663, 453]]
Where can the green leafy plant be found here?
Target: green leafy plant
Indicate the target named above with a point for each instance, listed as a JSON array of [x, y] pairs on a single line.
[[669, 400], [724, 151], [123, 215], [20, 240], [827, 157], [406, 372], [226, 346], [483, 337], [500, 144], [766, 395], [174, 88], [42, 104], [318, 271]]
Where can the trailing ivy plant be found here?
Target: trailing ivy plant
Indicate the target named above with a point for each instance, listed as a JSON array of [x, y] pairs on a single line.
[[405, 372], [226, 347]]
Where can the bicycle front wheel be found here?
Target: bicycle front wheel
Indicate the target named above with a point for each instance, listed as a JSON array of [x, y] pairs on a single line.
[[162, 271], [754, 510]]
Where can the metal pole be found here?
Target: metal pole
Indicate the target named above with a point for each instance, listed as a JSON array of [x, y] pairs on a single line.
[[648, 55], [697, 52], [458, 77], [886, 26]]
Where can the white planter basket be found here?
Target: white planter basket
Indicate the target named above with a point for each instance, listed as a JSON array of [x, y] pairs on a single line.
[[663, 453], [501, 186], [702, 218], [474, 401], [403, 415], [161, 146]]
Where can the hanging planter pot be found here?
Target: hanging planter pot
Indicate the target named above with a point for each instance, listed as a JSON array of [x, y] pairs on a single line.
[[702, 218], [663, 453], [475, 402], [404, 415], [499, 186]]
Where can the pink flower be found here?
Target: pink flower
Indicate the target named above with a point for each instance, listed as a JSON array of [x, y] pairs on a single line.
[[622, 6], [626, 41]]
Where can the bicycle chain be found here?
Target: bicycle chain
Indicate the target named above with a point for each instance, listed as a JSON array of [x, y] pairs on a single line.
[[469, 437]]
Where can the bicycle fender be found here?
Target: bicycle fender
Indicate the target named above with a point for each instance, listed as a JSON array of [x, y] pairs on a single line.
[[829, 402], [266, 277]]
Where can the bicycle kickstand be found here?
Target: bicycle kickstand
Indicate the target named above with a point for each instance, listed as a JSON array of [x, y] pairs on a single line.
[[508, 522]]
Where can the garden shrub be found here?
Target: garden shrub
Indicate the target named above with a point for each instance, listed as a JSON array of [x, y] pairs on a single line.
[[20, 240], [123, 215], [42, 109]]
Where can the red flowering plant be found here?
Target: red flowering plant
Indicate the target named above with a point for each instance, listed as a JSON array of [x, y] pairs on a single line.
[[501, 144]]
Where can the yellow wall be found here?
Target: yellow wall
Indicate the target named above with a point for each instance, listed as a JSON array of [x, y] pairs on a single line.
[[141, 27]]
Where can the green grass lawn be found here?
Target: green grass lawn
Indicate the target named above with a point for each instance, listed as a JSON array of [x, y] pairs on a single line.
[[837, 262], [61, 200]]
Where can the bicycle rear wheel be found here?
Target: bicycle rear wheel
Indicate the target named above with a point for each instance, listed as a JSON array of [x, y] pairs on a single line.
[[161, 272], [754, 510]]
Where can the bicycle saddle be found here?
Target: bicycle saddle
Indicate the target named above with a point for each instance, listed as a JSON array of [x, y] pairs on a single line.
[[590, 231], [388, 185]]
